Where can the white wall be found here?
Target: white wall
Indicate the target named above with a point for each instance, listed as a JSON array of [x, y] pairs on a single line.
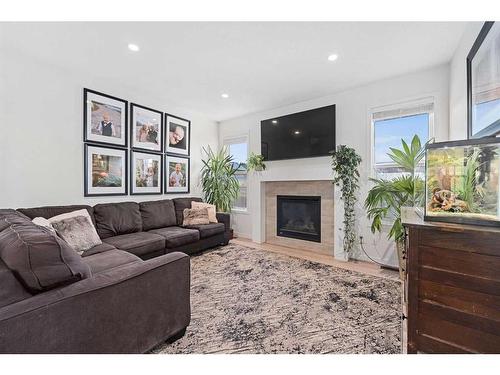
[[353, 129], [458, 82], [41, 138]]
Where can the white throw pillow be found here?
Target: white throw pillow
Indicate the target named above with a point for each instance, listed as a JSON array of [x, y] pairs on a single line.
[[77, 229], [43, 222], [212, 217]]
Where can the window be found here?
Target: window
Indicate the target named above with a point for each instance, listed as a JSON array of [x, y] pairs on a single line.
[[389, 126], [238, 149]]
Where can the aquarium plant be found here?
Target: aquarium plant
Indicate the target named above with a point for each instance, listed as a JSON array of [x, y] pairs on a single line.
[[386, 197], [219, 183], [256, 163], [345, 163]]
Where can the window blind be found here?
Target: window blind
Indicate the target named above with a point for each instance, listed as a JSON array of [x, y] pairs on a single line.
[[403, 111]]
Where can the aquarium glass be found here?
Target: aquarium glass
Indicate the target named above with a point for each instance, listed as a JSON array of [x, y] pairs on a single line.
[[462, 183]]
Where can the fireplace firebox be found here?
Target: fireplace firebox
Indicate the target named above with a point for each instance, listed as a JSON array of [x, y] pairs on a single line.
[[299, 217]]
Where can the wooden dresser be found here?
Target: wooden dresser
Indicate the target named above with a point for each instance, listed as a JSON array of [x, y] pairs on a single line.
[[452, 288]]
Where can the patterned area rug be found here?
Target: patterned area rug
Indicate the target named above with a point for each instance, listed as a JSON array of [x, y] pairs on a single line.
[[252, 301]]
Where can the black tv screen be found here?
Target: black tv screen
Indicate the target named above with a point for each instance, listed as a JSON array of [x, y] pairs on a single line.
[[299, 135]]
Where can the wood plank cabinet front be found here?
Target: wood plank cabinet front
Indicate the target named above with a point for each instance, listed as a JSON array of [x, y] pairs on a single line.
[[453, 286]]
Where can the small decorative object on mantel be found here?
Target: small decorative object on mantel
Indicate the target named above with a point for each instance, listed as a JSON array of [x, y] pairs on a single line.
[[256, 163], [219, 183], [345, 163], [176, 174], [483, 83], [386, 198], [104, 119], [105, 171]]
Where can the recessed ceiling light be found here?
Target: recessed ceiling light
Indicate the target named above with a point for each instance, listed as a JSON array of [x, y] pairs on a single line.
[[133, 47], [296, 132], [225, 96], [333, 57], [274, 121]]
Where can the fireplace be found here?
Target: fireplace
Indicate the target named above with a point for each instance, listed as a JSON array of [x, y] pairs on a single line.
[[299, 217]]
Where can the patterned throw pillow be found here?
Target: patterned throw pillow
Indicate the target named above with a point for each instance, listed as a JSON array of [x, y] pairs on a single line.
[[211, 210], [77, 230], [195, 216]]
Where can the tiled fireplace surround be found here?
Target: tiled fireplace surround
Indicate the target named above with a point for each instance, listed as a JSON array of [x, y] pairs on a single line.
[[321, 188]]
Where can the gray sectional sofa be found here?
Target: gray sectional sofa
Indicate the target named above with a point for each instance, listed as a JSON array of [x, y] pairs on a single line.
[[126, 295]]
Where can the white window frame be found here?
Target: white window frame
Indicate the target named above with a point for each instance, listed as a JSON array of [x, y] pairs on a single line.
[[226, 142], [405, 105]]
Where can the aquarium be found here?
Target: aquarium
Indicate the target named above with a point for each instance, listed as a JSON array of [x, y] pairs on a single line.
[[462, 181]]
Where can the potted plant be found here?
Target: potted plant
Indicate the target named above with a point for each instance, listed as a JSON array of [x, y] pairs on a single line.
[[345, 163], [386, 198], [219, 183], [256, 162]]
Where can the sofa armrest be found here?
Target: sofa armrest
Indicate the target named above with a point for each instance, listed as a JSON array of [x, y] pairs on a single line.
[[127, 309], [225, 218]]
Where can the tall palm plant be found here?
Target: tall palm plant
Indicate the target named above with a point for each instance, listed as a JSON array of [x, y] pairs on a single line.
[[385, 199], [219, 183]]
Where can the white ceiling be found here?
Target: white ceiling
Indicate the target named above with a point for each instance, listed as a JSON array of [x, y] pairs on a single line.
[[260, 65]]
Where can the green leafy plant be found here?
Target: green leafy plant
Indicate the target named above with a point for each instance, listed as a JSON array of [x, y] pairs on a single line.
[[256, 163], [386, 197], [219, 183], [345, 163], [469, 189]]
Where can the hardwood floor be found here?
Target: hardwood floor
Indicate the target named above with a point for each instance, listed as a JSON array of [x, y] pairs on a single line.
[[358, 266]]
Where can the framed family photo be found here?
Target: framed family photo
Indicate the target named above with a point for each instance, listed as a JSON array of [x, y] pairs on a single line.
[[177, 135], [104, 119], [176, 174], [146, 128], [105, 171], [145, 173]]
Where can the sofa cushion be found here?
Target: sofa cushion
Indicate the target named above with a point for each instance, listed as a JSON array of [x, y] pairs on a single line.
[[110, 259], [137, 243], [177, 236], [12, 217], [208, 230], [11, 290], [99, 249], [181, 204], [39, 259], [113, 219], [157, 214], [51, 211]]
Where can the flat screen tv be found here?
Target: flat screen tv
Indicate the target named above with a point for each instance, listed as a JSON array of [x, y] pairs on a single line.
[[300, 135]]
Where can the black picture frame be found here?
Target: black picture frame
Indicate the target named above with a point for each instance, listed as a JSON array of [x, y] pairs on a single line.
[[132, 127], [494, 128], [86, 171], [166, 174], [86, 137], [172, 150], [132, 172], [456, 219]]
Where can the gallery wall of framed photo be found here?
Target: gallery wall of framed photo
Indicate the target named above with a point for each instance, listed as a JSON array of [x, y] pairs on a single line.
[[131, 148]]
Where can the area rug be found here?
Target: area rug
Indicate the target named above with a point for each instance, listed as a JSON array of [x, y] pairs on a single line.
[[245, 300]]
